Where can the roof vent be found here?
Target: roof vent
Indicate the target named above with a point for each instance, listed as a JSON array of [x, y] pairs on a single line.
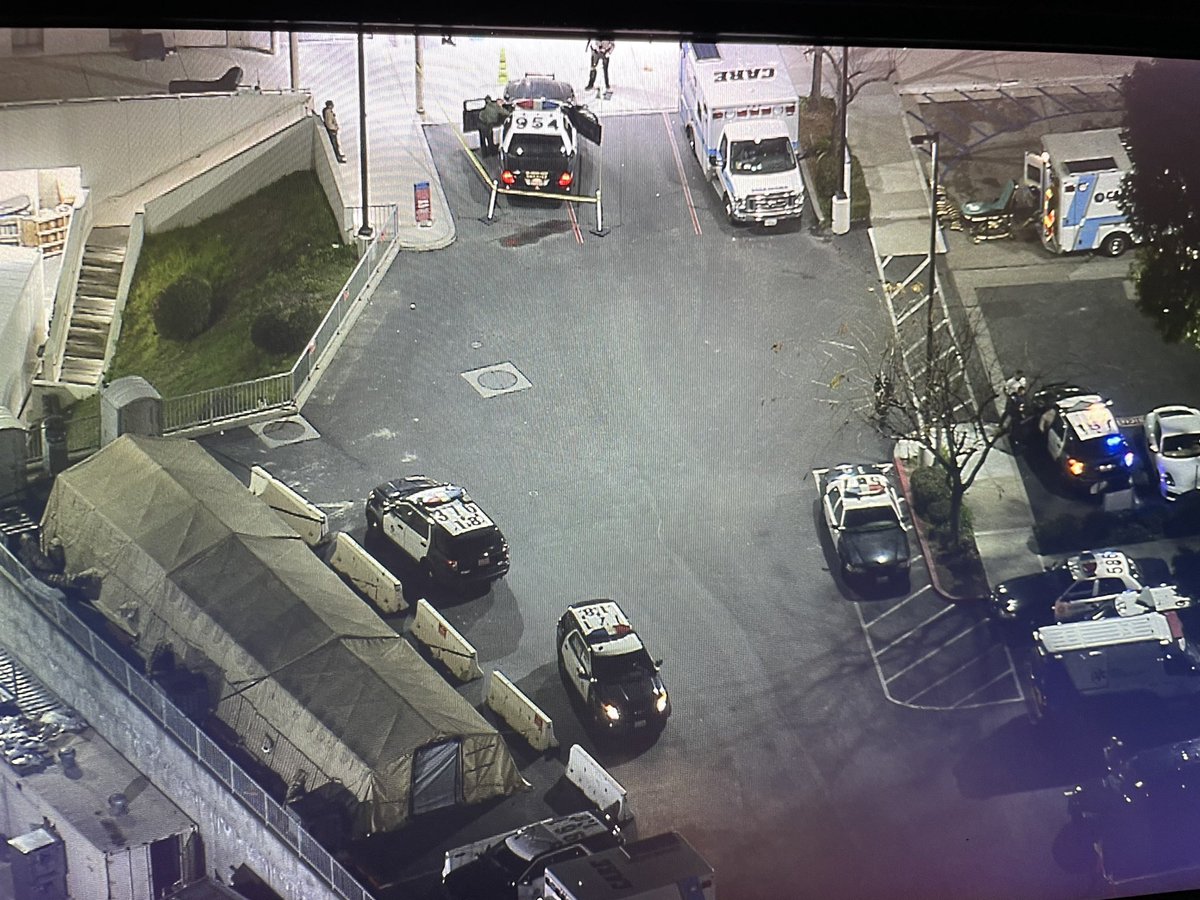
[[118, 804]]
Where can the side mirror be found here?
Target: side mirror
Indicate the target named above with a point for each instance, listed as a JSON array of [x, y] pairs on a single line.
[[716, 160], [581, 673], [658, 664]]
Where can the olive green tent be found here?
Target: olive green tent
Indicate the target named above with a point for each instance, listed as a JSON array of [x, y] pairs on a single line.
[[315, 685]]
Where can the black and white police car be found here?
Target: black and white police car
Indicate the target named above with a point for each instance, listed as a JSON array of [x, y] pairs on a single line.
[[1081, 586], [1080, 434], [440, 528], [861, 509], [513, 865], [605, 663]]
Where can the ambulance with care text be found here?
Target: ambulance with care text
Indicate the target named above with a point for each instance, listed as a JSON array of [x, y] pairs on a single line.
[[1077, 179], [741, 116]]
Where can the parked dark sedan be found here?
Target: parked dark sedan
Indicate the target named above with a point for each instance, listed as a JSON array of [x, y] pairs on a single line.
[[862, 512]]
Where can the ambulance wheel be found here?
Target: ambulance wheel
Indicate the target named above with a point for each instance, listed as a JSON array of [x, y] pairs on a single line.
[[729, 210], [691, 139], [1115, 244]]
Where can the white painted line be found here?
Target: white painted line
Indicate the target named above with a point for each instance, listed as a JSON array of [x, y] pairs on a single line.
[[941, 612], [933, 652], [958, 704], [1025, 530], [946, 677], [1013, 668], [898, 605]]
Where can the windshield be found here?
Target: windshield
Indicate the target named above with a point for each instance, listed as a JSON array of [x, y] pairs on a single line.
[[537, 146], [870, 518], [1181, 446], [625, 667], [762, 157]]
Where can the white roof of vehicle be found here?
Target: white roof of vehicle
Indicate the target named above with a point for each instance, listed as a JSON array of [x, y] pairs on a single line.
[[450, 507], [772, 84], [1163, 598], [1098, 564], [1178, 420], [865, 490], [1089, 416], [755, 129], [606, 628], [1086, 145], [1068, 636]]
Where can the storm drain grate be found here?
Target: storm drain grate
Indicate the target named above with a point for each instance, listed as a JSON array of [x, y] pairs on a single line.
[[501, 378]]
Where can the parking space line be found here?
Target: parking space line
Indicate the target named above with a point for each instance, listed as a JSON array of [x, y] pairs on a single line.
[[892, 609], [938, 649], [945, 678], [687, 192], [915, 629], [958, 704], [574, 223]]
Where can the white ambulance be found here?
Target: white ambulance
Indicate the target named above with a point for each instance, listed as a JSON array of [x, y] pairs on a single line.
[[1077, 178], [741, 115]]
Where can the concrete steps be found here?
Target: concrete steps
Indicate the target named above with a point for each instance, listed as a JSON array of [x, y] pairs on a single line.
[[94, 306], [29, 693]]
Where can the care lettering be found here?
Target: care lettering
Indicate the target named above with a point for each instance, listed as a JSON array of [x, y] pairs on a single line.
[[762, 73]]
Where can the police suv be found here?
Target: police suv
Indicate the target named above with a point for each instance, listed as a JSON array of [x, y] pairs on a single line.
[[440, 528], [606, 664], [539, 146], [1082, 437]]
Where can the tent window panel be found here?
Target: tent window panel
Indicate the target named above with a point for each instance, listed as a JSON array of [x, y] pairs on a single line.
[[437, 777]]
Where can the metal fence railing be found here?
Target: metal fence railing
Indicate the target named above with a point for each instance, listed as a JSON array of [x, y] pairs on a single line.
[[229, 402], [198, 744], [347, 297]]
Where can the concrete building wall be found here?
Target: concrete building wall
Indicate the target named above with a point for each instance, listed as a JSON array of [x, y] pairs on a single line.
[[123, 145], [22, 321], [291, 150], [231, 835]]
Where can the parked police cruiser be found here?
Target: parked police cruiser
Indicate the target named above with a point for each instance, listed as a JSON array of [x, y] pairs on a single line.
[[440, 528]]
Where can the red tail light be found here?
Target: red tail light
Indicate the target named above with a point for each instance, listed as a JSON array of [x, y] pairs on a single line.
[[508, 177], [565, 179], [718, 114]]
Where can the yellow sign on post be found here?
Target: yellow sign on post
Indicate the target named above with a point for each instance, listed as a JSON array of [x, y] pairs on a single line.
[[503, 68]]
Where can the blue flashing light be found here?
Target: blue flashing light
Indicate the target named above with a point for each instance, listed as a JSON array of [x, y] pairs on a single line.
[[1113, 441]]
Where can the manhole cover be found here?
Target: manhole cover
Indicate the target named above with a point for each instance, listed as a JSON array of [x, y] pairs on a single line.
[[497, 379], [284, 430], [494, 380]]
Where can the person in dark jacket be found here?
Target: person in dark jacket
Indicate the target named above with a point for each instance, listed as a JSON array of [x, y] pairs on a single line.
[[491, 117]]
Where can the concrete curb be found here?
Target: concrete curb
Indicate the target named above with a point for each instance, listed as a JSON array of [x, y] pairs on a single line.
[[918, 527], [425, 239]]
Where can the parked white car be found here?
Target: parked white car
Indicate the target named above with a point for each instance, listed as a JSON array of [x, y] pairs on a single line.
[[1173, 439]]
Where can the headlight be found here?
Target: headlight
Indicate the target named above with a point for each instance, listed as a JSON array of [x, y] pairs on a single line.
[[611, 712], [1128, 458], [661, 703], [1074, 466], [854, 567], [1168, 478]]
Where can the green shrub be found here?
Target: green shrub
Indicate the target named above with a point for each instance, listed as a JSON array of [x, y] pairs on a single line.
[[184, 308], [284, 326], [928, 486]]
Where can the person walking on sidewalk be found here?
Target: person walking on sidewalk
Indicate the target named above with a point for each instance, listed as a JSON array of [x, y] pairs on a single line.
[[601, 51], [329, 117], [490, 117]]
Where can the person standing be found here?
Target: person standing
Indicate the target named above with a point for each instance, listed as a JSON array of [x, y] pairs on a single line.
[[601, 51], [491, 116], [329, 117]]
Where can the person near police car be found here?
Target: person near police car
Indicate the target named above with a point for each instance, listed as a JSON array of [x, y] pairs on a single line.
[[1015, 392], [491, 117], [601, 51]]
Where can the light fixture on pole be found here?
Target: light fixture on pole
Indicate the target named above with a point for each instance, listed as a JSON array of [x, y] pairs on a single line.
[[932, 140], [365, 230]]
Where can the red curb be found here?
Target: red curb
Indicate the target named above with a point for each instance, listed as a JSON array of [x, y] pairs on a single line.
[[919, 527]]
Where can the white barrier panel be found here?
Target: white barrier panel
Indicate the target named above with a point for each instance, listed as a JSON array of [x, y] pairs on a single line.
[[510, 703], [444, 642], [597, 785], [367, 574], [311, 522]]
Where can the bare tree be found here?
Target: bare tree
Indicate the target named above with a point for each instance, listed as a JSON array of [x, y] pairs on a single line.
[[931, 404], [863, 66]]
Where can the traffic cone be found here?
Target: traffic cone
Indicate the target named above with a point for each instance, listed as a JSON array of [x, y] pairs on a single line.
[[503, 68]]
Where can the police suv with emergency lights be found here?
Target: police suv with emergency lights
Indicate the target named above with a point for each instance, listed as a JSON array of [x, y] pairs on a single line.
[[862, 512], [1082, 437], [439, 527], [606, 664]]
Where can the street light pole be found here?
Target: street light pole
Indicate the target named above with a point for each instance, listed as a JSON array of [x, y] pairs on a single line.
[[365, 230], [932, 140]]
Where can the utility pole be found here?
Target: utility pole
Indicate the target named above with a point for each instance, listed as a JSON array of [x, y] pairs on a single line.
[[365, 230]]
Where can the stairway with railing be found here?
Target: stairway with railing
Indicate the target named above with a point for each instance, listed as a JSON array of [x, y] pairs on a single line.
[[94, 306]]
